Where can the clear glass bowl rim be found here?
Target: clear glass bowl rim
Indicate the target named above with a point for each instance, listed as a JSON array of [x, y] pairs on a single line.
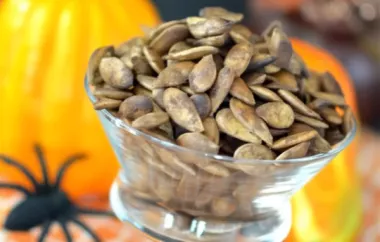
[[120, 124]]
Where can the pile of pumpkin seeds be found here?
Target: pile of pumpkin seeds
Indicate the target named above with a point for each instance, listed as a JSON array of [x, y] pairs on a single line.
[[210, 84], [207, 81]]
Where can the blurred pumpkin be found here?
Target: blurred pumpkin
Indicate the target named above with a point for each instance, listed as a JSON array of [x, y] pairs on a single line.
[[45, 46]]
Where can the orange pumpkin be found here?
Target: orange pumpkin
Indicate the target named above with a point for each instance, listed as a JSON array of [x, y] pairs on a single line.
[[44, 48]]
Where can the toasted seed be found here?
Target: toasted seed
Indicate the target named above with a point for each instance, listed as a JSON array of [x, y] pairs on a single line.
[[278, 132], [202, 103], [347, 120], [198, 142], [247, 116], [263, 61], [135, 106], [294, 139], [211, 129], [276, 114], [310, 121], [150, 120], [192, 53], [179, 46], [329, 84], [271, 26], [158, 95], [170, 35], [146, 81], [125, 47], [281, 46], [254, 78], [255, 152], [294, 152], [159, 134], [111, 93], [163, 187], [204, 27], [216, 41], [240, 90], [216, 170], [229, 144], [265, 93], [221, 87], [169, 158], [188, 188], [140, 90], [203, 75], [313, 83], [239, 57], [223, 206], [240, 34], [334, 136], [330, 115], [106, 103], [182, 110], [297, 104], [115, 73], [296, 65], [93, 75], [220, 12], [154, 59], [319, 145], [187, 89], [141, 66], [300, 127], [283, 80], [127, 60], [334, 99], [318, 103], [156, 31], [174, 75], [227, 123]]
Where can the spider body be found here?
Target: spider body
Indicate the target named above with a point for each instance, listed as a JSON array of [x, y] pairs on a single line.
[[46, 203]]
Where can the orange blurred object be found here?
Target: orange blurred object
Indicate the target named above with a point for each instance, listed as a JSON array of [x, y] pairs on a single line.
[[45, 46]]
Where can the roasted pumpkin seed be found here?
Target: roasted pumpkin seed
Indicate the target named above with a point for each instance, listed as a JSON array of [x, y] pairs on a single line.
[[182, 110], [106, 103], [254, 152], [227, 123], [204, 27], [240, 34], [158, 96], [254, 78], [202, 103], [248, 117], [297, 104], [216, 41], [283, 80], [169, 36], [348, 120], [203, 75], [141, 66], [295, 152], [174, 75], [115, 73], [198, 142], [239, 57], [329, 84], [278, 115], [330, 115], [223, 206], [135, 107], [240, 90], [294, 139], [93, 75], [154, 59], [192, 53], [265, 93], [111, 93], [334, 99], [310, 121], [150, 120], [220, 12], [146, 81], [211, 129], [221, 87]]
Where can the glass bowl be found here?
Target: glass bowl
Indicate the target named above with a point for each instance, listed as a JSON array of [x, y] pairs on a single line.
[[177, 194]]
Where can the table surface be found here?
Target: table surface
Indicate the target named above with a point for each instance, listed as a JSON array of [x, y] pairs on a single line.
[[368, 166]]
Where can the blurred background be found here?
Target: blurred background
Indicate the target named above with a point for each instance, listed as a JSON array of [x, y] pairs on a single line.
[[44, 48]]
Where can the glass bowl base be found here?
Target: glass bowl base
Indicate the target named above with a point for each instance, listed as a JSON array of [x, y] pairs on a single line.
[[165, 225]]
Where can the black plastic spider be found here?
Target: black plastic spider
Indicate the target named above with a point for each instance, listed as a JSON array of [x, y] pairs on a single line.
[[47, 203]]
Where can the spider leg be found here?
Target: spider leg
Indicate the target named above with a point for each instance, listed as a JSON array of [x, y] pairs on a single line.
[[66, 165], [22, 168], [65, 230], [15, 187], [91, 211], [45, 231], [42, 161], [87, 229]]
